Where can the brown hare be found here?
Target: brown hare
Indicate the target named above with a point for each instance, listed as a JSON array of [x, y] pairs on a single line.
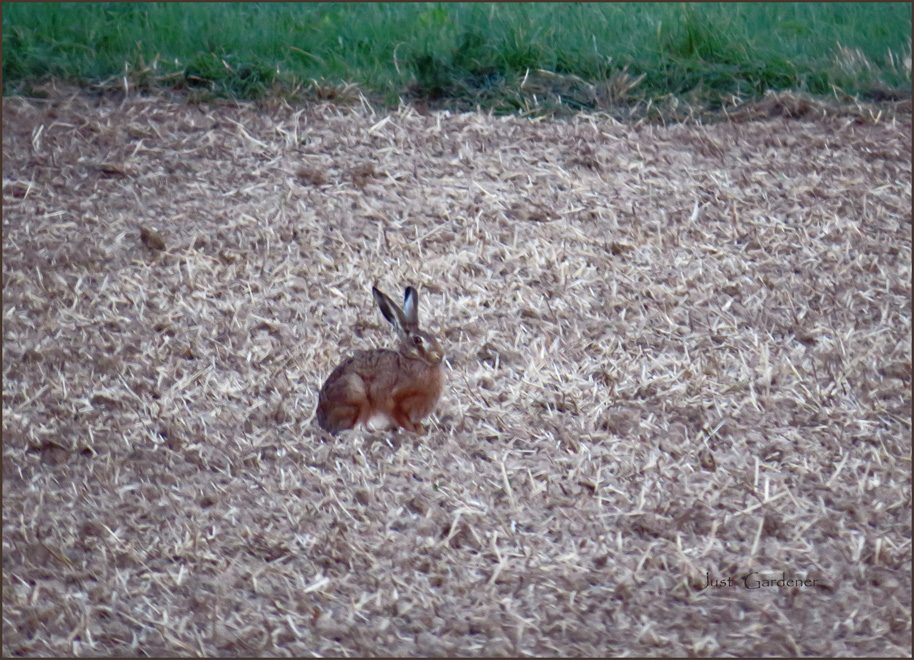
[[385, 388]]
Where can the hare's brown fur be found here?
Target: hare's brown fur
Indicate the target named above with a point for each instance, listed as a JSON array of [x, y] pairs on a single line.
[[386, 387]]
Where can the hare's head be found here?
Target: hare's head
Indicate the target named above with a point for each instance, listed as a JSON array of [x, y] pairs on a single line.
[[414, 343]]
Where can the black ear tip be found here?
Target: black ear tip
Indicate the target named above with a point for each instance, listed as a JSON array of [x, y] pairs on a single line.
[[410, 291]]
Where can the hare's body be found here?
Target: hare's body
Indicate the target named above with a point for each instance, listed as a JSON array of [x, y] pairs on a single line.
[[386, 388]]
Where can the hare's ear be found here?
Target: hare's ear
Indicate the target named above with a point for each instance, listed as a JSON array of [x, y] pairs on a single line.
[[411, 305], [390, 310]]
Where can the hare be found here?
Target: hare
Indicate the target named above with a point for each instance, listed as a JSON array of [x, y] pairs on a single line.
[[386, 388]]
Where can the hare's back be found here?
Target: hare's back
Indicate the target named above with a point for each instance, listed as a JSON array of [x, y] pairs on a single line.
[[365, 367]]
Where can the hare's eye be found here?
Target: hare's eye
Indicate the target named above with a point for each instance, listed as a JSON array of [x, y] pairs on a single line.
[[417, 341]]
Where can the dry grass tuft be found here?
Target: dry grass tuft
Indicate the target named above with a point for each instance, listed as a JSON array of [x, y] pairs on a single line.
[[802, 106], [673, 351]]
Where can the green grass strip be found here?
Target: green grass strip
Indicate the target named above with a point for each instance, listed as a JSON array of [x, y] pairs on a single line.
[[468, 54]]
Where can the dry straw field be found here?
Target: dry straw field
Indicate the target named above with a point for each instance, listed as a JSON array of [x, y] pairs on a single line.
[[674, 352]]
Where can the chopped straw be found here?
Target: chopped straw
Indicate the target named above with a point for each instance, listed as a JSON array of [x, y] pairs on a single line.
[[674, 353]]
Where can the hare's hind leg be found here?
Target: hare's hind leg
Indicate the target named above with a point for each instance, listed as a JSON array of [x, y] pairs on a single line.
[[343, 402], [336, 417], [342, 412]]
